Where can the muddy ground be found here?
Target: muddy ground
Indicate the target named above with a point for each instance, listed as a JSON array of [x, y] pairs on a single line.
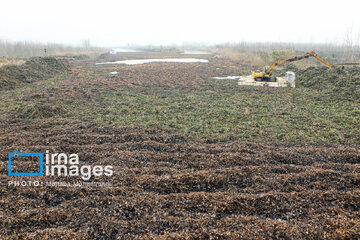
[[167, 184]]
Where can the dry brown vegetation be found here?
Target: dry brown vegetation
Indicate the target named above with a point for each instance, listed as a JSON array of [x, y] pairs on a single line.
[[166, 187], [5, 61]]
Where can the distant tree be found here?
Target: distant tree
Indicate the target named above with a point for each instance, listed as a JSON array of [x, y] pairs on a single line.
[[86, 44]]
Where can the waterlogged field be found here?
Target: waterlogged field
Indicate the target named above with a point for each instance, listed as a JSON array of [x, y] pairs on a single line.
[[192, 157]]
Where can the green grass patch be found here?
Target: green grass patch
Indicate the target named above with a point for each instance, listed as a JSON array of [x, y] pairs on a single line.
[[219, 109], [233, 112]]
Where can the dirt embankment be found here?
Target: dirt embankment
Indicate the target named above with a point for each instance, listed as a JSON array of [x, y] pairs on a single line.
[[33, 70], [320, 77]]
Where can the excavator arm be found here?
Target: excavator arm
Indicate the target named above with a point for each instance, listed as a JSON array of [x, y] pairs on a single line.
[[267, 72], [321, 59]]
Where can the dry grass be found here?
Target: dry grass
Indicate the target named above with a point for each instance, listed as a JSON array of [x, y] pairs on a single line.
[[5, 61], [91, 53], [246, 57]]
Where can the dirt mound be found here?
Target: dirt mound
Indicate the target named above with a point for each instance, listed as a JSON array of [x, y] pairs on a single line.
[[324, 77], [343, 83], [33, 70]]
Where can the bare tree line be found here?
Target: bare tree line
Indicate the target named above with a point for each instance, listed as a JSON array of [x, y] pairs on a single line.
[[349, 50], [24, 49]]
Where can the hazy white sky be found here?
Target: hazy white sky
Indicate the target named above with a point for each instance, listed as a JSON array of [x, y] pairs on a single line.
[[117, 22]]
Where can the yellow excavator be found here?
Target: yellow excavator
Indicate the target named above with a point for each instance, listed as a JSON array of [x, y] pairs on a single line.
[[265, 73]]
